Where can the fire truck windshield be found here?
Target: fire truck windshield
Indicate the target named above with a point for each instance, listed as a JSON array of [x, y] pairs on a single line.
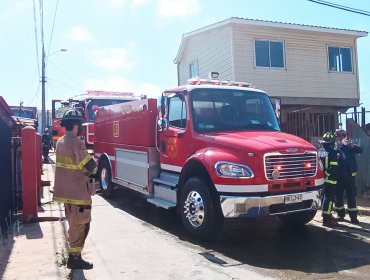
[[217, 110], [60, 107], [94, 104]]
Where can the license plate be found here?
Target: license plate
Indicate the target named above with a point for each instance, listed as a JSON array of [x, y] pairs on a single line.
[[293, 198]]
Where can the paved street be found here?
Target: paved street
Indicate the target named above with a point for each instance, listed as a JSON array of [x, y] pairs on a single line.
[[131, 239]]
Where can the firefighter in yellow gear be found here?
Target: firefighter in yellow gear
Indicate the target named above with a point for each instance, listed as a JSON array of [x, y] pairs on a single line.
[[329, 158], [72, 187]]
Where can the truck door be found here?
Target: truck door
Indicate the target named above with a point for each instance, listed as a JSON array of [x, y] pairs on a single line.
[[174, 136]]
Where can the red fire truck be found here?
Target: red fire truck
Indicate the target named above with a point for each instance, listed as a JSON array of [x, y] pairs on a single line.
[[88, 104], [211, 149]]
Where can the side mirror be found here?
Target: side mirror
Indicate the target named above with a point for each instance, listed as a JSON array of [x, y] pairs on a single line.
[[162, 124], [277, 108]]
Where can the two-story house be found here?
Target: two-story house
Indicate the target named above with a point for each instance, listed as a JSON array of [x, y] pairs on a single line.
[[313, 70]]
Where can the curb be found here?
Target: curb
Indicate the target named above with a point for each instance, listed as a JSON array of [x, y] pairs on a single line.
[[361, 211]]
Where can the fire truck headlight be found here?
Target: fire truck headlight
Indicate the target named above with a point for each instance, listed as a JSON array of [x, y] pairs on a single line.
[[233, 170]]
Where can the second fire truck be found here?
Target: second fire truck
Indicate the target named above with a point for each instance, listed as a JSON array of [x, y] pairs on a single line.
[[212, 150], [88, 103]]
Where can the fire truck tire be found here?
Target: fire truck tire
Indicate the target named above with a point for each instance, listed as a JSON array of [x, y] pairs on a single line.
[[105, 178], [200, 209], [299, 218]]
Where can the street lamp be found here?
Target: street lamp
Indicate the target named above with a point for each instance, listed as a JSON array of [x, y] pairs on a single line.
[[43, 81]]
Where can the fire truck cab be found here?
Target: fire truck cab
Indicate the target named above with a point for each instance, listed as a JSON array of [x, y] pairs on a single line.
[[211, 149]]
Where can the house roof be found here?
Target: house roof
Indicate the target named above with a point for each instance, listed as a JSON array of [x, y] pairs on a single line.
[[276, 24], [5, 112]]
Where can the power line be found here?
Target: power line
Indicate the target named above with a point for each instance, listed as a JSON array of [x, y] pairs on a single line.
[[341, 7], [52, 29], [36, 37], [36, 95], [70, 87], [63, 72]]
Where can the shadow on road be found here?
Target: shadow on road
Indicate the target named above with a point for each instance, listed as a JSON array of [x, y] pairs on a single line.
[[6, 246], [263, 243]]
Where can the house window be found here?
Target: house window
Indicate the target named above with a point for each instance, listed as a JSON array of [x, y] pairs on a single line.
[[340, 59], [269, 53], [193, 69]]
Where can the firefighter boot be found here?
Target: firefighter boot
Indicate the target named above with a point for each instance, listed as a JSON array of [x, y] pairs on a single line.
[[76, 262], [353, 216], [340, 219], [329, 221]]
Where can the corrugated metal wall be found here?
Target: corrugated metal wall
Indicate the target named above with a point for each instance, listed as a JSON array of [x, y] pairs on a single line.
[[360, 138], [7, 207]]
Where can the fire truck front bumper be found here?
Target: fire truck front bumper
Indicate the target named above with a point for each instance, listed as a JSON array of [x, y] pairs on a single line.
[[254, 207]]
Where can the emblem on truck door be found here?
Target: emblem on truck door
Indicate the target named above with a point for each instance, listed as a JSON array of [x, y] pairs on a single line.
[[275, 174], [172, 147], [115, 129]]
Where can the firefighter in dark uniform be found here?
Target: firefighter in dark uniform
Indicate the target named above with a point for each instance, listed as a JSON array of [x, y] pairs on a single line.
[[329, 159], [347, 175], [46, 144], [72, 187]]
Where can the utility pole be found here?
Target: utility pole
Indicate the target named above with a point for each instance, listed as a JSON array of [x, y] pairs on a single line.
[[43, 113]]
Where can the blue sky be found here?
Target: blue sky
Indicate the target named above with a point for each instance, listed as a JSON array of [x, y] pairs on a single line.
[[129, 45]]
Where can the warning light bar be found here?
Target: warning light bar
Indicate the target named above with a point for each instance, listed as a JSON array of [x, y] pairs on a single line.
[[199, 81], [213, 79]]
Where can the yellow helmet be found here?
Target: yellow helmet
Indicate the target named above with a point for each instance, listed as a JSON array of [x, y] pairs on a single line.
[[328, 137]]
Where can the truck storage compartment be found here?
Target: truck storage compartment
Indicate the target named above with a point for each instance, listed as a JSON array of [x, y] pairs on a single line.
[[116, 123]]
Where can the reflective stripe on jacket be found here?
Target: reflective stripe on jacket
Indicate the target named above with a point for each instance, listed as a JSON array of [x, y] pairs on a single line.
[[330, 168]]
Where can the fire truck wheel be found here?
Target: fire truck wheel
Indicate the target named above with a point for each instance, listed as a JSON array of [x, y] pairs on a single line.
[[299, 218], [200, 209], [105, 179]]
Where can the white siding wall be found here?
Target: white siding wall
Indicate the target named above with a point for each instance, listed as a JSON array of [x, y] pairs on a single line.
[[306, 73], [212, 49]]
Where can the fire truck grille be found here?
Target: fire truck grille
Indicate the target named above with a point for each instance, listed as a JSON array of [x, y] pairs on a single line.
[[279, 167]]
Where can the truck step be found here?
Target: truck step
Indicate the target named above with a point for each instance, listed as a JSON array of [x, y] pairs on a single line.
[[168, 179], [165, 192], [161, 202]]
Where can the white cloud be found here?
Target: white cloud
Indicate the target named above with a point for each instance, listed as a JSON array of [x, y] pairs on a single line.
[[137, 3], [120, 4], [117, 83], [112, 59], [178, 8], [80, 34]]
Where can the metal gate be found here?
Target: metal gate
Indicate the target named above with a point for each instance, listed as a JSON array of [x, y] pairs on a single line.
[[307, 124]]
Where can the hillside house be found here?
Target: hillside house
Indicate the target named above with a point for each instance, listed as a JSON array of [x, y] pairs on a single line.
[[312, 69]]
